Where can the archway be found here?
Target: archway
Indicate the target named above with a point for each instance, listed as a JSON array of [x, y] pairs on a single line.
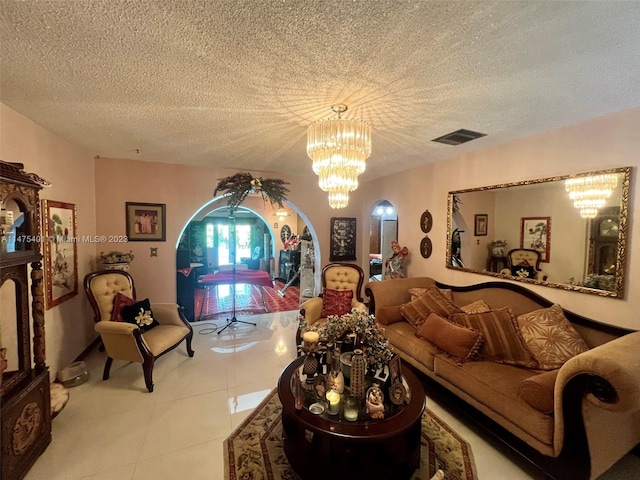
[[383, 229], [253, 207]]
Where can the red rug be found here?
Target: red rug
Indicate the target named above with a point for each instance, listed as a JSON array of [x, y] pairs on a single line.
[[248, 300]]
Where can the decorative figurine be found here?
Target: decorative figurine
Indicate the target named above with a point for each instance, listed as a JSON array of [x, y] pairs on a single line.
[[394, 266], [374, 405]]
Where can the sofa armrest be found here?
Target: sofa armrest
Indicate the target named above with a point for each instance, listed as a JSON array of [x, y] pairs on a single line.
[[614, 369], [597, 406], [311, 310], [387, 293]]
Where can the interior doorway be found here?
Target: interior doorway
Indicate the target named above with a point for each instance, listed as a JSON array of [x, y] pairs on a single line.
[[383, 229], [205, 246]]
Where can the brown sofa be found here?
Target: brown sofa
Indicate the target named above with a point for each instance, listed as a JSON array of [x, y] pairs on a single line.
[[595, 397]]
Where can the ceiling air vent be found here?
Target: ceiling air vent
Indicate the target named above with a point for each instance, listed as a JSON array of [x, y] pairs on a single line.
[[458, 137]]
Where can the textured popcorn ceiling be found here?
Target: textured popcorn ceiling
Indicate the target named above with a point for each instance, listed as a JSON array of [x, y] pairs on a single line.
[[236, 83]]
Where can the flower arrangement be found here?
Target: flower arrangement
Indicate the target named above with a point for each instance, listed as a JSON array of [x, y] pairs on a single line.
[[375, 345], [291, 243], [238, 186], [116, 257]]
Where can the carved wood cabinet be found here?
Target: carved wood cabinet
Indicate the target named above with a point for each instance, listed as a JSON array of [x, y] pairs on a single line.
[[25, 419]]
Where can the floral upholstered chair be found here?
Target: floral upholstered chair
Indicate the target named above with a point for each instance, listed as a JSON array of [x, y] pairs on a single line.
[[131, 330], [524, 263], [341, 286]]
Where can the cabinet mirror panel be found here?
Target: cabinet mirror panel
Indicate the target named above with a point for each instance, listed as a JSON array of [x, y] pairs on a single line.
[[567, 232]]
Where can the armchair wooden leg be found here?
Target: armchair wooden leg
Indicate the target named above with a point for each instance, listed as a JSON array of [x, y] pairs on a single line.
[[107, 368], [147, 367], [189, 349]]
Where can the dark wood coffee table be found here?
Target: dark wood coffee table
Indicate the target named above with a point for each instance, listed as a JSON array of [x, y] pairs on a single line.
[[330, 447]]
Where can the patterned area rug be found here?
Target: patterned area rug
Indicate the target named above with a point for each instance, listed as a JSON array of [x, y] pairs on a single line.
[[248, 300], [254, 450]]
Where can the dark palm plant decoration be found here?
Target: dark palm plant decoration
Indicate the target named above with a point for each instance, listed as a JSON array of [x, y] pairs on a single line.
[[238, 186]]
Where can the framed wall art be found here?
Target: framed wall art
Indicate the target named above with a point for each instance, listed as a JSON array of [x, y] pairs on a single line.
[[535, 233], [480, 222], [343, 239], [146, 222], [60, 251], [426, 221]]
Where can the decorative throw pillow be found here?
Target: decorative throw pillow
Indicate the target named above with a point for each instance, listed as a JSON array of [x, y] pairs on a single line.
[[432, 301], [479, 306], [389, 315], [460, 342], [416, 292], [140, 314], [537, 391], [523, 271], [448, 293], [119, 302], [502, 340], [336, 302], [550, 337]]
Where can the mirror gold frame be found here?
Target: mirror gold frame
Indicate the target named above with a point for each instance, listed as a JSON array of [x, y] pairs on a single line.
[[456, 199]]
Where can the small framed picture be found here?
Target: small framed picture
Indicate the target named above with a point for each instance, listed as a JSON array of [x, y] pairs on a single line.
[[480, 222], [395, 369], [342, 242], [146, 222]]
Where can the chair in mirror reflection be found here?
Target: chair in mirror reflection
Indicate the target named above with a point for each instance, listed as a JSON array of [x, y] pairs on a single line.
[[524, 263]]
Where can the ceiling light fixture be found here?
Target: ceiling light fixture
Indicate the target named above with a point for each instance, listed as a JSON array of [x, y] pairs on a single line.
[[281, 214], [339, 148], [590, 194]]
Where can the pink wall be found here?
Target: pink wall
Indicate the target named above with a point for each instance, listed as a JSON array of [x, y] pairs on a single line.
[[101, 187], [185, 190], [70, 169], [612, 141]]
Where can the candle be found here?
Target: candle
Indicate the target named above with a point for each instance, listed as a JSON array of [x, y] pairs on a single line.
[[333, 398], [310, 337]]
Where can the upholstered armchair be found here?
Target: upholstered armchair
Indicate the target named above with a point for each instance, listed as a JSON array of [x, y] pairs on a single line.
[[336, 278], [129, 341], [524, 263]]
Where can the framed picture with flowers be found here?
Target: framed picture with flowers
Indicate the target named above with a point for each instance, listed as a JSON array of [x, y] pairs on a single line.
[[535, 234], [342, 246], [60, 252]]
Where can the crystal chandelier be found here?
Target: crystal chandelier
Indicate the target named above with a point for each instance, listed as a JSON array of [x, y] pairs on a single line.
[[590, 194], [281, 214], [339, 148]]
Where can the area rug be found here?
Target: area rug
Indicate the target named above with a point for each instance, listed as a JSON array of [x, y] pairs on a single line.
[[254, 450], [248, 300]]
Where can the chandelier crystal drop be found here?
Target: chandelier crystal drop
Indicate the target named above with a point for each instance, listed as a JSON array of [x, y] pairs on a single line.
[[339, 148], [590, 194], [338, 199]]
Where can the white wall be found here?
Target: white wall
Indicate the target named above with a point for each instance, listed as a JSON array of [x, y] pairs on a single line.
[[612, 141]]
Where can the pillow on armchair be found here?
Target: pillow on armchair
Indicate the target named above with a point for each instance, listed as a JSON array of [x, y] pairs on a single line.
[[336, 302], [523, 271]]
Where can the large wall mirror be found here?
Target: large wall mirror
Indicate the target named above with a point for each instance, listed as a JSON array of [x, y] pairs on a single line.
[[566, 232]]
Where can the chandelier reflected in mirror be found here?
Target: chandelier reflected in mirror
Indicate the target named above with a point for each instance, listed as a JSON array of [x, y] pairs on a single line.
[[339, 148], [590, 194]]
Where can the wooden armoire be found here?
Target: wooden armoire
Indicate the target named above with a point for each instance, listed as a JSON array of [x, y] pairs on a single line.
[[24, 392]]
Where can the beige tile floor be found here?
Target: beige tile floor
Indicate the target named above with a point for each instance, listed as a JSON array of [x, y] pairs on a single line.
[[116, 430]]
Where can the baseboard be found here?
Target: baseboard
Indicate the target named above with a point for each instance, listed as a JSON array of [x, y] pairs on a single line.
[[95, 343]]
